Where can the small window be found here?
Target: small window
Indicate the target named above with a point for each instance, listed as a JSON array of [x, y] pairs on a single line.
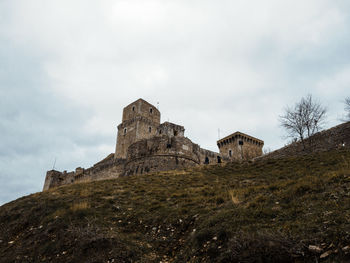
[[150, 129], [240, 142], [151, 110], [125, 131], [230, 153], [133, 108], [175, 133], [160, 132]]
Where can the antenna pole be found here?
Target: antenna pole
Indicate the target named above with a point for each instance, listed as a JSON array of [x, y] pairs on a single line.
[[54, 163]]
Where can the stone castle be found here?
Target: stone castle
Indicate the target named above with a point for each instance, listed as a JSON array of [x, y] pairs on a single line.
[[145, 145]]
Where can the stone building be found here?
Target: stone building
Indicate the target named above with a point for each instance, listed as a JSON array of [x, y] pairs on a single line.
[[240, 146], [143, 145]]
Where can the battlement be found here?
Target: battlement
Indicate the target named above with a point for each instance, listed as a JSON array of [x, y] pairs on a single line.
[[240, 146]]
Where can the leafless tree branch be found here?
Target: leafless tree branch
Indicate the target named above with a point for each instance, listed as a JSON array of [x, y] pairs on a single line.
[[304, 119]]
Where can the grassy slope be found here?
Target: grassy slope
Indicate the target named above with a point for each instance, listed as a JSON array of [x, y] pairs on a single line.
[[265, 211]]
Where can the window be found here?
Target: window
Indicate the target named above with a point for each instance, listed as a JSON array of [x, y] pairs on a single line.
[[125, 131], [240, 143], [175, 133], [133, 108], [151, 110], [160, 132], [230, 153], [150, 129]]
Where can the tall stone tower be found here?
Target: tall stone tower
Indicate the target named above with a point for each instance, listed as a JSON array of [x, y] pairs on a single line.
[[140, 121]]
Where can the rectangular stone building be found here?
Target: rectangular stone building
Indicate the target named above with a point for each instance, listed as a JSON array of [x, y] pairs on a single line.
[[240, 146]]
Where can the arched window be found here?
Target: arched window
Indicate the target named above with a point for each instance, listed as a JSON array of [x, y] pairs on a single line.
[[125, 130], [133, 108], [151, 110], [230, 153]]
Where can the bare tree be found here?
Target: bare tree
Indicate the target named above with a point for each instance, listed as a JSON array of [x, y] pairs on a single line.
[[304, 119], [347, 108]]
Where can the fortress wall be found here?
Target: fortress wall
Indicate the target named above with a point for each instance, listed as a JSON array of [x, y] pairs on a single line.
[[157, 163], [55, 178], [331, 139], [246, 151], [212, 156], [240, 146], [107, 168], [164, 145]]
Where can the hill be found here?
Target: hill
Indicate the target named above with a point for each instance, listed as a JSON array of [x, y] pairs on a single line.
[[293, 209]]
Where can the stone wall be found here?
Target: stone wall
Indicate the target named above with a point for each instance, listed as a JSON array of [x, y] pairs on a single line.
[[140, 121], [240, 146], [331, 139], [141, 108], [105, 169]]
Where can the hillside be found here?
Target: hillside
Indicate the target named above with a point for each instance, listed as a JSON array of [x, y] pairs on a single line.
[[293, 209]]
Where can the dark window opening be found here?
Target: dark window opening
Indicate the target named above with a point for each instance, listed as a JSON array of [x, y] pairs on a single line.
[[230, 153], [175, 133], [125, 131], [168, 145], [240, 142], [206, 161], [160, 132], [147, 170], [219, 159], [133, 108], [150, 129], [151, 110]]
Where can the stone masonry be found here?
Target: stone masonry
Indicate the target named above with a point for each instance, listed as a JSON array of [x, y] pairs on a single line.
[[145, 145], [240, 146]]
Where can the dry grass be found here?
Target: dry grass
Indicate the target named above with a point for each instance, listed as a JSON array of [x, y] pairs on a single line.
[[267, 211]]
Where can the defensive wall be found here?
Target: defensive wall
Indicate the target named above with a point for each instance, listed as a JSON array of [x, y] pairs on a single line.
[[145, 145], [334, 138]]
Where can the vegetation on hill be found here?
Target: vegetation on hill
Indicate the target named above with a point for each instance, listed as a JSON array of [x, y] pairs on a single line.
[[282, 210]]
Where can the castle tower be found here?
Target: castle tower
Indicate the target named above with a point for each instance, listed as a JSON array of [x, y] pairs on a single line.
[[140, 121], [240, 146]]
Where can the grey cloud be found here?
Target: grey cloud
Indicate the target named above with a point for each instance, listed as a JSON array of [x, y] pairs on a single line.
[[67, 70]]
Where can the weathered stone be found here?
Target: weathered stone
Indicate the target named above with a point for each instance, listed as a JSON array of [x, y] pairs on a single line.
[[334, 138], [326, 254], [240, 146], [144, 145], [315, 249]]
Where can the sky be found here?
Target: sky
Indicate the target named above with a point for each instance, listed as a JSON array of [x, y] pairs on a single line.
[[67, 69]]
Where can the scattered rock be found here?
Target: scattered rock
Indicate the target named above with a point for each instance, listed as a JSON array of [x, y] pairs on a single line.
[[215, 238], [11, 242], [346, 249], [315, 249], [326, 254]]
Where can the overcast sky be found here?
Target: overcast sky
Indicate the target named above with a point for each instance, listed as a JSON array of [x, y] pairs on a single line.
[[67, 69]]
